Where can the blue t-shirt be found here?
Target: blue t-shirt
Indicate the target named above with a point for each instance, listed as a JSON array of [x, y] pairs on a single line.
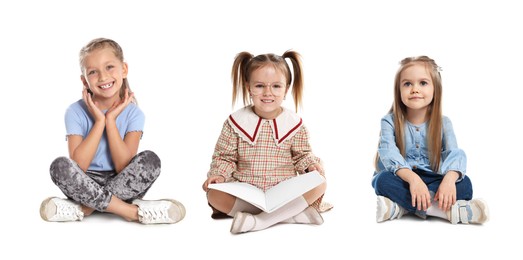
[[78, 121]]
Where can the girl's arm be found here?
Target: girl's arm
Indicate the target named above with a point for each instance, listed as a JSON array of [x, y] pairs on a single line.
[[388, 151], [122, 150], [391, 158], [452, 157], [225, 154], [302, 155], [82, 150]]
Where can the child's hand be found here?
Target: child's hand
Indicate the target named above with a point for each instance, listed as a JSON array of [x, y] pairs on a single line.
[[119, 106], [212, 179], [91, 106], [316, 167], [420, 195], [446, 194]]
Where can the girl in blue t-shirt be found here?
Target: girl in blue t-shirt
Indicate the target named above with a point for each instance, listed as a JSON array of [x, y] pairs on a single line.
[[419, 167], [103, 171]]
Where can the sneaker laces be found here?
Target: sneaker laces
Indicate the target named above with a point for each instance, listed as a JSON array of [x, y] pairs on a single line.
[[67, 210], [158, 214]]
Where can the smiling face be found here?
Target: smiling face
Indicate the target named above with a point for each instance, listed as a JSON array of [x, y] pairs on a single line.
[[103, 74], [416, 88], [268, 89]]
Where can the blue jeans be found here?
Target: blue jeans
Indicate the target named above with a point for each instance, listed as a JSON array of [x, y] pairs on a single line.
[[393, 187]]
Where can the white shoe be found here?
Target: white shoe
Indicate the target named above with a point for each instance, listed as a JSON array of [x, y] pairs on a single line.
[[243, 222], [308, 216], [388, 210], [165, 211], [469, 211], [59, 210]]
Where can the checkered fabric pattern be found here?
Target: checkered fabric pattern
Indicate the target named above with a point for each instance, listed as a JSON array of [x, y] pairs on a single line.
[[263, 164]]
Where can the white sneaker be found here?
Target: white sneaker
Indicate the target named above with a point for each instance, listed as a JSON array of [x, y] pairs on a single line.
[[165, 211], [469, 211], [388, 210], [59, 210], [243, 222]]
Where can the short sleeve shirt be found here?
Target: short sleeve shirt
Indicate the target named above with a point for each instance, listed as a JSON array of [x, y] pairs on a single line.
[[78, 121]]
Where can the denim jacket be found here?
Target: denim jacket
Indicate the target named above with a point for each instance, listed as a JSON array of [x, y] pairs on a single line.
[[390, 158]]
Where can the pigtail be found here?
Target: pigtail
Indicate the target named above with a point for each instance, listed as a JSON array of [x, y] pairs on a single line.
[[297, 83], [239, 77]]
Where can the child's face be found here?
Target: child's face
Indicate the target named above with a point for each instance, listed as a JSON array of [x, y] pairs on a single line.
[[416, 87], [104, 73], [267, 88]]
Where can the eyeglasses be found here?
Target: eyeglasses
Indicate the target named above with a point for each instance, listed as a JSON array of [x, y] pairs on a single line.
[[276, 88]]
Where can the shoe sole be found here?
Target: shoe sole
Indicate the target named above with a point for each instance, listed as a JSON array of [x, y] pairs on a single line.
[[383, 209], [43, 207], [180, 206], [482, 205]]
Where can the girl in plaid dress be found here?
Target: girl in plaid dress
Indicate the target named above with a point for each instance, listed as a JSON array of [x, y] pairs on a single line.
[[263, 144]]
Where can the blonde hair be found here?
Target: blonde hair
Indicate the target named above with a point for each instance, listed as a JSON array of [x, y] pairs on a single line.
[[245, 63], [434, 111], [100, 43]]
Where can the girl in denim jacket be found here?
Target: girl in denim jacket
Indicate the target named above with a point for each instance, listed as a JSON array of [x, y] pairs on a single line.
[[419, 167]]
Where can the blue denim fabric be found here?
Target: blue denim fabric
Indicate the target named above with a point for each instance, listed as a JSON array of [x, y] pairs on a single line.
[[391, 160], [393, 187]]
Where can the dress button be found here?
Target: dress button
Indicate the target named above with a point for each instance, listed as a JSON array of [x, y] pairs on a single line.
[[417, 146], [414, 167], [417, 129]]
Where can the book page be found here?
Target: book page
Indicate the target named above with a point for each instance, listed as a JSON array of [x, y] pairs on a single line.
[[245, 191], [275, 197], [290, 189]]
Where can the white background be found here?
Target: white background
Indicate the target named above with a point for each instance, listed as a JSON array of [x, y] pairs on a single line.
[[180, 56]]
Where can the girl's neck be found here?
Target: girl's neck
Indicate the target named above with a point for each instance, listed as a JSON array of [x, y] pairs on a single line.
[[417, 117], [105, 103], [269, 116]]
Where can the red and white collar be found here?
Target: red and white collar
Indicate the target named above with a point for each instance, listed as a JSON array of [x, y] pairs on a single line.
[[246, 124]]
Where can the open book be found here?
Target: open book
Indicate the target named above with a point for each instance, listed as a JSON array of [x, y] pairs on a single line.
[[275, 197]]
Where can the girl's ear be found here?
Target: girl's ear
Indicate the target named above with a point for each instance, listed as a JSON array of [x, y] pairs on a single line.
[[125, 69], [287, 89], [86, 86], [248, 89], [84, 81]]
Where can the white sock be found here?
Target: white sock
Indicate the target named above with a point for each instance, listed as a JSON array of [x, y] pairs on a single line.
[[291, 209], [308, 216], [435, 211], [243, 206]]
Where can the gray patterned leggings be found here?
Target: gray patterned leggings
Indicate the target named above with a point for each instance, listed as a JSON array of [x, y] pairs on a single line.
[[94, 188]]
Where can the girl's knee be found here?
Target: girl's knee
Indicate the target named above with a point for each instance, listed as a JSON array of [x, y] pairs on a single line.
[[150, 158], [61, 167]]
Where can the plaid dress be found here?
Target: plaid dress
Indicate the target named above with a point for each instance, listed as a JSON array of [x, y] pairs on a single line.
[[262, 152]]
